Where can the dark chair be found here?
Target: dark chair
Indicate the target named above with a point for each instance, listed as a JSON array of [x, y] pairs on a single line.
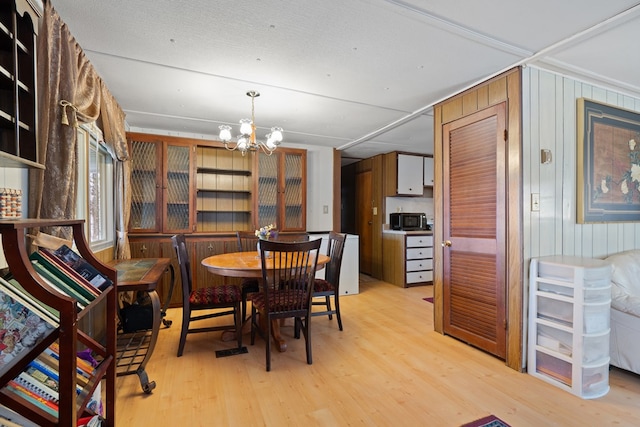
[[247, 242], [226, 297], [329, 286], [288, 272]]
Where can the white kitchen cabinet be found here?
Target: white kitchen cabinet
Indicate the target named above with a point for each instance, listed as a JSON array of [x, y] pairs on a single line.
[[410, 175], [569, 318], [428, 171]]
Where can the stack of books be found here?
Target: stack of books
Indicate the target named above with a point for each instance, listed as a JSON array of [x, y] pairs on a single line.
[[69, 274], [39, 382]]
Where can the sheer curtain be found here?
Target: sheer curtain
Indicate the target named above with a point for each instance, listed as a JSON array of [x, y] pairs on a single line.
[[66, 75]]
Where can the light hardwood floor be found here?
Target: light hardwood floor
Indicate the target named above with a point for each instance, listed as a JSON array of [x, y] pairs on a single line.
[[387, 368]]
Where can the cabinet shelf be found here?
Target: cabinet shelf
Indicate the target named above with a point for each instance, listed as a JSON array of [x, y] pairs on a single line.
[[224, 171], [231, 211], [215, 190]]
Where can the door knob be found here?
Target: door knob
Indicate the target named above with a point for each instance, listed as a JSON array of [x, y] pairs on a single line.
[[446, 243]]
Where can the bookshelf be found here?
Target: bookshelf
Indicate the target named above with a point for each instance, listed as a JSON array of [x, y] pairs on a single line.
[[72, 405], [19, 24], [223, 186]]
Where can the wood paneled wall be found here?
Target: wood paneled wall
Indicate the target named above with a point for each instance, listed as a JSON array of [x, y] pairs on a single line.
[[550, 116], [503, 88]]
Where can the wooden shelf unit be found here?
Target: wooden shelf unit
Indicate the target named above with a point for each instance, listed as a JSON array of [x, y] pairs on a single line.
[[68, 334], [19, 24]]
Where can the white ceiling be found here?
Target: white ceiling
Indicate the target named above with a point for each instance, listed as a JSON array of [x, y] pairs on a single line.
[[357, 75]]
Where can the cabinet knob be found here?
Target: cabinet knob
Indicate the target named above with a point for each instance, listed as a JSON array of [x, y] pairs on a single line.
[[446, 243], [143, 249], [210, 247]]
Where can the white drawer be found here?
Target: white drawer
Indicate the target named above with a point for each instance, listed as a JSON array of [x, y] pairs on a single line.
[[420, 276], [419, 241], [420, 264], [419, 253]]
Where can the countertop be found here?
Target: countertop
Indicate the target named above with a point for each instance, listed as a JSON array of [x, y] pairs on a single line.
[[409, 233]]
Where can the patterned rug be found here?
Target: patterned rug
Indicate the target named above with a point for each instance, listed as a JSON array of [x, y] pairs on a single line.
[[490, 421]]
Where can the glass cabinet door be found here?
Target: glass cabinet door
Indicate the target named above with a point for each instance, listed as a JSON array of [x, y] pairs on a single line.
[[177, 194], [281, 198], [294, 191], [161, 185], [267, 197], [145, 186]]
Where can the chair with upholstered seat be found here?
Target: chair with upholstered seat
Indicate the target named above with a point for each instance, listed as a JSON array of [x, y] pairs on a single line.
[[218, 301], [329, 286], [288, 272], [247, 242]]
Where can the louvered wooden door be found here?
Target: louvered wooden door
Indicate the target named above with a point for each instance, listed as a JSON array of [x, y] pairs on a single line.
[[474, 230]]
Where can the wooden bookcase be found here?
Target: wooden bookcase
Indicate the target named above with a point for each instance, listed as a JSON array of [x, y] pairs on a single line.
[[18, 119], [69, 335]]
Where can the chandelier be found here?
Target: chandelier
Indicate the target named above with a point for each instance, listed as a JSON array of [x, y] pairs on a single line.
[[246, 141]]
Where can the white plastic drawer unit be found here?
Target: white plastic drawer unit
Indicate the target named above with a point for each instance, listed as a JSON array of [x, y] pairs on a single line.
[[569, 323]]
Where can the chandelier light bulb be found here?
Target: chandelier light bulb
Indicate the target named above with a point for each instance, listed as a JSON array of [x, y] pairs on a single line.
[[225, 133], [271, 145], [245, 127], [242, 143], [276, 134]]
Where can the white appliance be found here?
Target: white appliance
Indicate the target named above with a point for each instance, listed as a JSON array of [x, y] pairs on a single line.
[[350, 270]]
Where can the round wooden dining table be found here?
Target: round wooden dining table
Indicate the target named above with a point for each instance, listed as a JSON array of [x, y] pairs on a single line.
[[249, 265]]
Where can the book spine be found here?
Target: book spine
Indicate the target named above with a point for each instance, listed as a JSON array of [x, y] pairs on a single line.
[[28, 302], [81, 365], [30, 383], [52, 362], [85, 269], [62, 277], [56, 284], [47, 370], [33, 398], [12, 283], [69, 272], [45, 375]]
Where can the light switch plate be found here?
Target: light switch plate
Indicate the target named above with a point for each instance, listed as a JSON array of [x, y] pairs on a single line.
[[535, 202]]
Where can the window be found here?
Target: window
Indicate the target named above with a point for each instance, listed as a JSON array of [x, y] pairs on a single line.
[[95, 188]]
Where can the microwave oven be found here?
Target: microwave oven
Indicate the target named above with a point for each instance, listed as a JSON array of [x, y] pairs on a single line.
[[408, 221]]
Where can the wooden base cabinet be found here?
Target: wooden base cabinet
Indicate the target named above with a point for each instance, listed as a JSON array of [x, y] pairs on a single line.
[[569, 323], [408, 258], [199, 247]]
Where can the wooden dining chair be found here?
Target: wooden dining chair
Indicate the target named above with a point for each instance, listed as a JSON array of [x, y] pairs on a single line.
[[288, 272], [247, 242], [324, 289], [217, 301]]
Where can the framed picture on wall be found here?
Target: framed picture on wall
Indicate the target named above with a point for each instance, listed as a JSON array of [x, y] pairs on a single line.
[[608, 163]]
